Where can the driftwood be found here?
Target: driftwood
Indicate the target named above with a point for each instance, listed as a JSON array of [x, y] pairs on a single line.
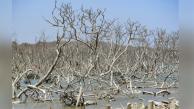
[[89, 102], [148, 93], [154, 105], [162, 92]]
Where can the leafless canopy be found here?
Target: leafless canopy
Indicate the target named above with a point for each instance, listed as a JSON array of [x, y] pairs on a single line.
[[92, 50]]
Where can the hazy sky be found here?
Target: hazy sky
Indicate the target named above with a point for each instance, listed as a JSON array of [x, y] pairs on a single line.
[[29, 23], [5, 17]]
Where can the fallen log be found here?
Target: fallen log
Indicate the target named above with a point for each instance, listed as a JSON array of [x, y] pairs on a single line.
[[90, 103], [148, 93], [163, 93]]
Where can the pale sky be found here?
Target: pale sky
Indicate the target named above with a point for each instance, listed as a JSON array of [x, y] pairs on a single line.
[[29, 23]]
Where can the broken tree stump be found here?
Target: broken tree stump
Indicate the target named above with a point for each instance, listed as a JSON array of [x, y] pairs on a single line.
[[107, 107], [129, 106], [151, 104]]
